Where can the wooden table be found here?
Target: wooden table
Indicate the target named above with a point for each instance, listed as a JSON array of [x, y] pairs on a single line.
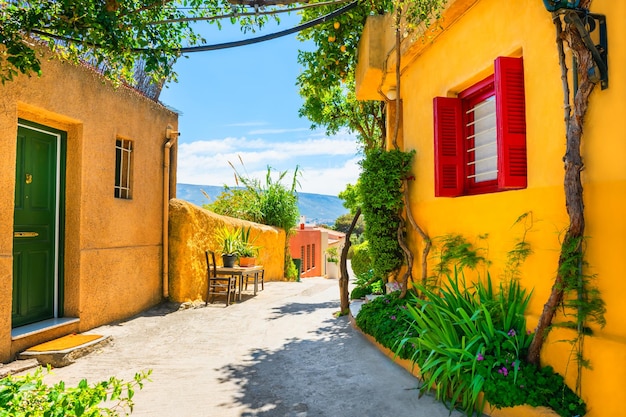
[[243, 273]]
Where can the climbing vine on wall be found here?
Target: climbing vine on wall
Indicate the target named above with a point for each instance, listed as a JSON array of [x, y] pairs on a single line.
[[380, 188]]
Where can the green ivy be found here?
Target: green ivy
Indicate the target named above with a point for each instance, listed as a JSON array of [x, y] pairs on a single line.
[[455, 251], [380, 188], [582, 303]]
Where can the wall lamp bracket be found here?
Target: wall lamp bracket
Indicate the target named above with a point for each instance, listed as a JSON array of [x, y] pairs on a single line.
[[588, 24]]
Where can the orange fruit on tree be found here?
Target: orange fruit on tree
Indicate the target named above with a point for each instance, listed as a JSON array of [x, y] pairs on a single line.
[[336, 25]]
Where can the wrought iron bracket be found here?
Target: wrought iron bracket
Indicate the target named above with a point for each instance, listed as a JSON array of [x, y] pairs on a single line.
[[589, 24]]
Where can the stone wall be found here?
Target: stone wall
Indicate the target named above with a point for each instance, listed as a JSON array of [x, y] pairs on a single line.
[[193, 230]]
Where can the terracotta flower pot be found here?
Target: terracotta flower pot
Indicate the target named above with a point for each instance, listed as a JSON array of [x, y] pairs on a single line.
[[247, 261]]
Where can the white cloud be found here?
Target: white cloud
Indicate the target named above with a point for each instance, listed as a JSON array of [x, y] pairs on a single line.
[[327, 163], [330, 181]]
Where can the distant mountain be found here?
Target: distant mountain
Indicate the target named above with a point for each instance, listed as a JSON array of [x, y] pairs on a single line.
[[317, 208]]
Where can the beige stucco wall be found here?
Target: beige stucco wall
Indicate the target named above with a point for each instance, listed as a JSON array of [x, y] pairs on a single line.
[[192, 231], [113, 247], [461, 55]]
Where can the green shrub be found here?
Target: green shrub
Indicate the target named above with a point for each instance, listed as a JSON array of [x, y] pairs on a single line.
[[366, 284], [533, 386], [385, 318], [361, 262], [29, 396], [360, 292], [291, 272]]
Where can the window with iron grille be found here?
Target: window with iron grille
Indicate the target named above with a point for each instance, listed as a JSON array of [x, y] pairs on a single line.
[[123, 168]]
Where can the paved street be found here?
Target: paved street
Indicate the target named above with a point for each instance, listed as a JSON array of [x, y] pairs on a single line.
[[281, 353]]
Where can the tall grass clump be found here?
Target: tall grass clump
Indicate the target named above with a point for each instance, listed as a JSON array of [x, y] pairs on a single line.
[[473, 340]]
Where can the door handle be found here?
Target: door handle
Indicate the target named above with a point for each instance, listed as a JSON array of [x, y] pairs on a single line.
[[25, 234]]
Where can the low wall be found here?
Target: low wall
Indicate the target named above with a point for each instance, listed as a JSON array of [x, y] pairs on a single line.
[[192, 230]]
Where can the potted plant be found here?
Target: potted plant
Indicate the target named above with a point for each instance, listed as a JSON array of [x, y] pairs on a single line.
[[247, 250], [229, 242], [332, 260]]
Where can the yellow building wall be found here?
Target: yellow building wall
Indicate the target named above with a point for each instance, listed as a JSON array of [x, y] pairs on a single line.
[[113, 247], [457, 58], [194, 230]]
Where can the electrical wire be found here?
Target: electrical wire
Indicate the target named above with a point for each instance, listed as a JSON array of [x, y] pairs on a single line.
[[215, 47], [271, 36], [235, 14]]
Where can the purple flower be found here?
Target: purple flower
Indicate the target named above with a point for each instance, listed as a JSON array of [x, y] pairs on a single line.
[[511, 333], [480, 357], [387, 300], [393, 317], [503, 371]]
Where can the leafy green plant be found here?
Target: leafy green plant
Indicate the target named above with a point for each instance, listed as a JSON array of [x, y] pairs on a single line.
[[473, 339], [533, 386], [455, 251], [29, 396], [366, 283], [332, 254], [229, 240], [271, 203], [380, 189], [360, 261], [385, 318], [360, 292], [292, 271], [247, 249]]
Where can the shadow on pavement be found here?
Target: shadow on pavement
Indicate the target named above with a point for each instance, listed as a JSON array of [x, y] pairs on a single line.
[[293, 380], [299, 308]]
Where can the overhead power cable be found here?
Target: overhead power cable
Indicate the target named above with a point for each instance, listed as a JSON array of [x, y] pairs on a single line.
[[271, 36], [237, 14], [205, 48]]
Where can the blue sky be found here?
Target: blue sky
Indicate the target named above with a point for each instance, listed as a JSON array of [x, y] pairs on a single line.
[[243, 103]]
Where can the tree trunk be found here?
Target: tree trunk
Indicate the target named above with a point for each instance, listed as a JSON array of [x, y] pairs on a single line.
[[344, 278], [573, 165]]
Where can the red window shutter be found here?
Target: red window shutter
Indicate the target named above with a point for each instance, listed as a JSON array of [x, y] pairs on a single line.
[[449, 181], [511, 122]]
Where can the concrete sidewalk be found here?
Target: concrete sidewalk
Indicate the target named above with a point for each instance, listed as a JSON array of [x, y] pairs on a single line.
[[281, 353]]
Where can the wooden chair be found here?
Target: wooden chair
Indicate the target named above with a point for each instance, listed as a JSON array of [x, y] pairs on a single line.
[[218, 285]]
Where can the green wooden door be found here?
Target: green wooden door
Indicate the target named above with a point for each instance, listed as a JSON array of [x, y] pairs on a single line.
[[35, 240]]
